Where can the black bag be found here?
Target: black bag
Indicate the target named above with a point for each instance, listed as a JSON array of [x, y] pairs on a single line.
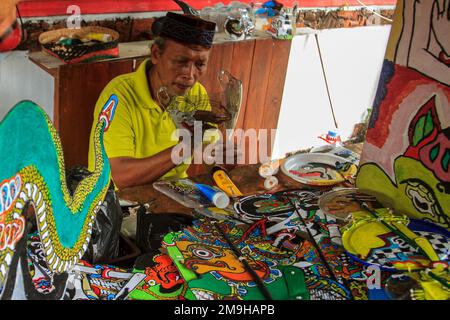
[[104, 244], [151, 228]]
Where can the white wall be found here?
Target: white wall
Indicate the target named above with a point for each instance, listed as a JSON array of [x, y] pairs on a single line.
[[353, 58], [21, 79]]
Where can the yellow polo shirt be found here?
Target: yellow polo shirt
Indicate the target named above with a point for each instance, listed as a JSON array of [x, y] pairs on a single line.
[[139, 127]]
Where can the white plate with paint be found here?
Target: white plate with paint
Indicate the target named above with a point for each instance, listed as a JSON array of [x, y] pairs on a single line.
[[316, 169]]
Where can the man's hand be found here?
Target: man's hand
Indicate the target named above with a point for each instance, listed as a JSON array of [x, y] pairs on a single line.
[[209, 116], [227, 155]]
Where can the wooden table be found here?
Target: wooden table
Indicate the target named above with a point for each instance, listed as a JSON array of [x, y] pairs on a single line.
[[245, 177]]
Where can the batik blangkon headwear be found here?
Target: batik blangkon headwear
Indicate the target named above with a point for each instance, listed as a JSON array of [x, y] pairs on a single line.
[[188, 29]]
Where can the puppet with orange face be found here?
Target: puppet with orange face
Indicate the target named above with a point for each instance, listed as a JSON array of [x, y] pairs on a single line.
[[10, 32]]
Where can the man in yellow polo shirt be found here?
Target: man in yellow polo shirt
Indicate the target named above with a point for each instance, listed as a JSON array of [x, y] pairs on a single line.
[[139, 140]]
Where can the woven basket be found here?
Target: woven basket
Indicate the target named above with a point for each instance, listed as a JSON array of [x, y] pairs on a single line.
[[80, 52]]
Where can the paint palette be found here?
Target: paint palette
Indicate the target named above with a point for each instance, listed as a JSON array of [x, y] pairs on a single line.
[[314, 169], [340, 203]]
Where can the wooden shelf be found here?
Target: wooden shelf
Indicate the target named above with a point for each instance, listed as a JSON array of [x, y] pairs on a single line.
[[127, 50]]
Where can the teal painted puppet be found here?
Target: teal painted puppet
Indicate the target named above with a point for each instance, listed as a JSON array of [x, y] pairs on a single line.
[[32, 174]]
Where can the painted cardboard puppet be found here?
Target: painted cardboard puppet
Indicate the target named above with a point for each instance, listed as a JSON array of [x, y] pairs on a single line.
[[96, 282], [161, 281], [32, 174], [212, 270], [406, 158]]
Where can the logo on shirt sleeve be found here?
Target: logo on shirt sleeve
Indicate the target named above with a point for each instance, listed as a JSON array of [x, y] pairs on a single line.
[[108, 110]]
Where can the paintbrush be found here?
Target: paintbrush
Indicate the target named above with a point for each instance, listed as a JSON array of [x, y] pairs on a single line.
[[243, 260], [358, 197], [319, 251]]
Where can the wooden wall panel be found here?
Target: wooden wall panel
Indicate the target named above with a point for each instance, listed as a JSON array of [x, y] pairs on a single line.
[[79, 88], [241, 68], [220, 58], [275, 87], [259, 80]]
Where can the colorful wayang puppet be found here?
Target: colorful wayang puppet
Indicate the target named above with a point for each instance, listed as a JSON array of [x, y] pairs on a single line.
[[372, 242], [32, 173], [406, 158], [347, 278], [431, 287], [213, 271], [274, 206], [162, 282], [98, 282]]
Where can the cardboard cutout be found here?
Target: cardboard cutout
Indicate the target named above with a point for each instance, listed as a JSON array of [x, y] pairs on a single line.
[[32, 173], [406, 158]]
